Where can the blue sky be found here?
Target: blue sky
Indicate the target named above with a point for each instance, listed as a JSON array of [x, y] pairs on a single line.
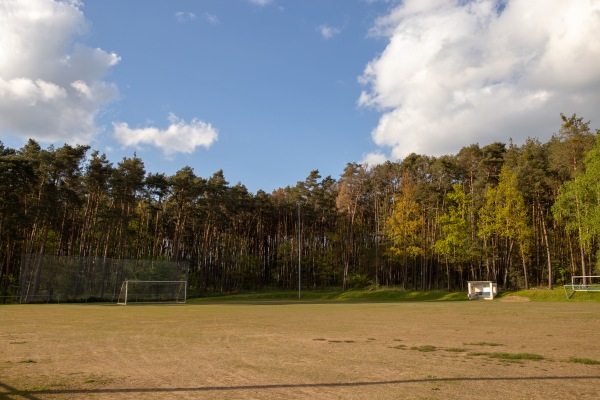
[[268, 90]]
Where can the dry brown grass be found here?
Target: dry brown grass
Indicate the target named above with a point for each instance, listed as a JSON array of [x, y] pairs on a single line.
[[298, 351]]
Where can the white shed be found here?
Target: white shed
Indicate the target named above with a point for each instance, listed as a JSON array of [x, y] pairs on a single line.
[[482, 290]]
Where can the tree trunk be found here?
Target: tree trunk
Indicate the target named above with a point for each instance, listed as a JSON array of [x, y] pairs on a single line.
[[548, 256], [525, 270], [38, 267]]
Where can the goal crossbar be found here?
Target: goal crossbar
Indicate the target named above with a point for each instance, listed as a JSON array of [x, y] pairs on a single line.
[[582, 283], [139, 291]]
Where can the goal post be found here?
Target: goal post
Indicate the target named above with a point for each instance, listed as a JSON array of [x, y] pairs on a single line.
[[582, 283], [168, 292]]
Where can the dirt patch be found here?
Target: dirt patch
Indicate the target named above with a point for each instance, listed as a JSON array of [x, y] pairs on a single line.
[[301, 351]]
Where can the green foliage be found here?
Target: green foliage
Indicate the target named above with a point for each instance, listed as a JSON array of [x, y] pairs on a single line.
[[424, 222], [578, 202], [405, 224], [504, 216], [504, 213], [455, 245], [359, 281]]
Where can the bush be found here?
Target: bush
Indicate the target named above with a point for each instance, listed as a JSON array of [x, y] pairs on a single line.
[[359, 281]]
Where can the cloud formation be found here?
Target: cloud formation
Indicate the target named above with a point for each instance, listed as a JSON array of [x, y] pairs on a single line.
[[184, 16], [374, 158], [328, 31], [461, 72], [260, 2], [51, 87], [211, 18], [179, 137]]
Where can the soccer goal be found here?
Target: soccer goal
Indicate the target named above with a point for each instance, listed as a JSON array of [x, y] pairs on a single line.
[[582, 284], [153, 292]]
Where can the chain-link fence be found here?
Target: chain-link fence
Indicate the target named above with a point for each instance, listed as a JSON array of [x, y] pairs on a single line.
[[49, 278]]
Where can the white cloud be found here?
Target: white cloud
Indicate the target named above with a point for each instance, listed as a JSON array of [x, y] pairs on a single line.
[[373, 159], [184, 16], [51, 87], [328, 31], [260, 2], [463, 72], [211, 18], [179, 137]]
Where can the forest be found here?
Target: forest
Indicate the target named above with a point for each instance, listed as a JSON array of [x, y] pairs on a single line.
[[522, 215]]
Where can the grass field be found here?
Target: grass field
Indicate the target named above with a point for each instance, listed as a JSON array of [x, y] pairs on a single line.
[[287, 350]]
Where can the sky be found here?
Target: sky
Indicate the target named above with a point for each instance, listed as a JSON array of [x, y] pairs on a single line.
[[269, 90]]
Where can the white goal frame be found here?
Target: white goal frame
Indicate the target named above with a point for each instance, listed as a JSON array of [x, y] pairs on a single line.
[[582, 283], [177, 298]]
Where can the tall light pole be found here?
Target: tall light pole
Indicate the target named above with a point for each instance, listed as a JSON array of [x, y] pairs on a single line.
[[299, 257]]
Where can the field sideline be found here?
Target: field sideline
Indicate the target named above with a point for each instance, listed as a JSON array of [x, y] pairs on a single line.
[[359, 350]]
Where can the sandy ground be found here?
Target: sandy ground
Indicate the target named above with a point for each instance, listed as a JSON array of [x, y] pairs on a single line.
[[301, 351]]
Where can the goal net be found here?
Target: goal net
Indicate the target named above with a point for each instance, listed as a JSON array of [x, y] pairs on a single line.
[[582, 284], [153, 292]]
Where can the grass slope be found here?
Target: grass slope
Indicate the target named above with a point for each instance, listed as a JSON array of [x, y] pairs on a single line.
[[557, 294], [389, 295]]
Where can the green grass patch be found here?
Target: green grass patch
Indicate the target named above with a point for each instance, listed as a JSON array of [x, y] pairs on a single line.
[[28, 361], [384, 295], [455, 350], [380, 295], [509, 356], [425, 348], [491, 344], [556, 294], [97, 380], [584, 361], [399, 347]]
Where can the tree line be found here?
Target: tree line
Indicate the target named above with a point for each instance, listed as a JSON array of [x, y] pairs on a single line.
[[521, 215]]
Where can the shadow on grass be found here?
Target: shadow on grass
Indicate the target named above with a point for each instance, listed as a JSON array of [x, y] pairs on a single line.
[[381, 295], [9, 392]]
